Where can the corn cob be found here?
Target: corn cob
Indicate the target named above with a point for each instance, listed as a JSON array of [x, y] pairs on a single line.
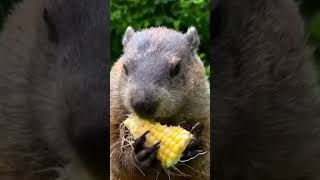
[[174, 139]]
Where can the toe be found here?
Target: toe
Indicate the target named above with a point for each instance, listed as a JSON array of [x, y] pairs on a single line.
[[147, 152], [138, 145]]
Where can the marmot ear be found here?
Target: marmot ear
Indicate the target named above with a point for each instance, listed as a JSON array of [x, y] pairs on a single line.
[[193, 39], [127, 35]]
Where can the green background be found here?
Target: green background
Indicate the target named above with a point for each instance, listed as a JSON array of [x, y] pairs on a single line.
[[179, 14], [176, 14]]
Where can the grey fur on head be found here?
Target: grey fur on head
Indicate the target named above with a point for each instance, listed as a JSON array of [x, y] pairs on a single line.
[[193, 38], [127, 35], [149, 57]]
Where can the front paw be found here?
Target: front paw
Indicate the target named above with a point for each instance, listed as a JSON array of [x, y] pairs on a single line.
[[194, 148], [145, 157]]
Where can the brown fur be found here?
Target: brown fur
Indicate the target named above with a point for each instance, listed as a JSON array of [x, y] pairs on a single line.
[[36, 131], [196, 86], [266, 96]]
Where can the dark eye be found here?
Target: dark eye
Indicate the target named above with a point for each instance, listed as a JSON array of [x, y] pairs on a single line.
[[175, 70], [125, 69]]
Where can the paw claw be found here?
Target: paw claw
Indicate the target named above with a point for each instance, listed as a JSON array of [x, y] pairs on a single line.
[[147, 152], [147, 156], [138, 145]]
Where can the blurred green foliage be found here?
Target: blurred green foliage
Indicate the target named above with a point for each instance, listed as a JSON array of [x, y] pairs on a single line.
[[176, 14], [179, 15]]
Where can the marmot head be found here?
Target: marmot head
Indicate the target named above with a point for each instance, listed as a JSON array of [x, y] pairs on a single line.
[[161, 71]]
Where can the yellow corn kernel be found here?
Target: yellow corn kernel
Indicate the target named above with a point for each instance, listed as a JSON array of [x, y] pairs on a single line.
[[174, 139]]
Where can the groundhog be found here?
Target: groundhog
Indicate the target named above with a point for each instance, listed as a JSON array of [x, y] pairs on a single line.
[[53, 91], [266, 94], [158, 77]]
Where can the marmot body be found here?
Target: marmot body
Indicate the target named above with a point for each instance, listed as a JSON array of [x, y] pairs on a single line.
[[266, 94], [159, 77], [53, 81]]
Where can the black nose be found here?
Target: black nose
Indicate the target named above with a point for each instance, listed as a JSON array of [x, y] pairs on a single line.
[[144, 107]]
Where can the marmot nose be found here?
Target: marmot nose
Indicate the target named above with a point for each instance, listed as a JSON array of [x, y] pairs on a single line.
[[144, 108]]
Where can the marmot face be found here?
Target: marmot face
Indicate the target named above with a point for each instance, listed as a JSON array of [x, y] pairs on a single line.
[[155, 71]]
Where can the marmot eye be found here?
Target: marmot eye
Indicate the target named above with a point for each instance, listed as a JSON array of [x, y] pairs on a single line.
[[175, 70], [125, 69]]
